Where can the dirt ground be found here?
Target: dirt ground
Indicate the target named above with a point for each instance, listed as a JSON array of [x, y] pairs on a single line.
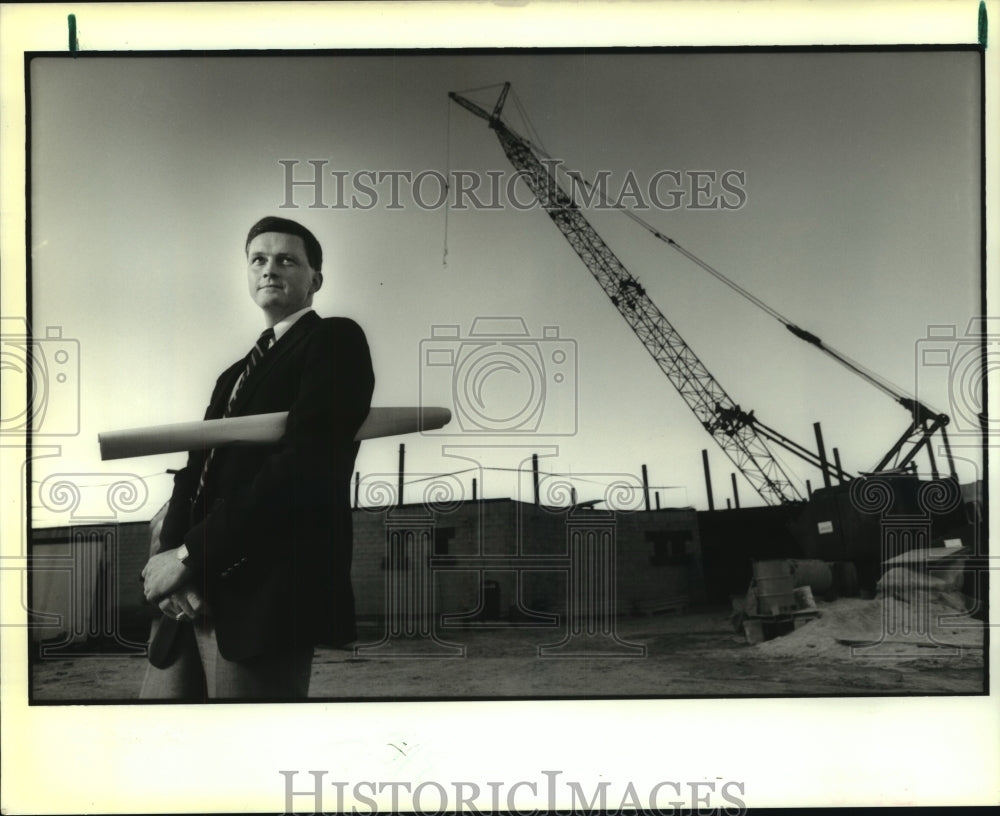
[[695, 654]]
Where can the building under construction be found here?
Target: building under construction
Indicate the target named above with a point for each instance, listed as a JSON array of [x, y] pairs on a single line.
[[417, 570]]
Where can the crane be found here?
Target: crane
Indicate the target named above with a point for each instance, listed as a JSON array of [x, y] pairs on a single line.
[[742, 436]]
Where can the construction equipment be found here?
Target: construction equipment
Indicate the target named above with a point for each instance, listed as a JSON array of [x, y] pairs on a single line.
[[739, 433]]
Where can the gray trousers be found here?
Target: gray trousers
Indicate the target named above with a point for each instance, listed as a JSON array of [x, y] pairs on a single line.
[[200, 673]]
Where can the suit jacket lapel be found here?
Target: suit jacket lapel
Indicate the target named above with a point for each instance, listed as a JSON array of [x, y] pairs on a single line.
[[220, 398], [274, 356]]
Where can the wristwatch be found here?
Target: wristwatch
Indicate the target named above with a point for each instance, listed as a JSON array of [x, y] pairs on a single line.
[[182, 553]]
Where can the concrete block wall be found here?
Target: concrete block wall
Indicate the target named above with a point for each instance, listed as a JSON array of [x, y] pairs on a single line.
[[644, 580], [506, 533], [88, 576]]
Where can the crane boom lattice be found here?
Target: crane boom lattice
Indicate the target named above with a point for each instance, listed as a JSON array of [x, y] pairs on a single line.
[[732, 428]]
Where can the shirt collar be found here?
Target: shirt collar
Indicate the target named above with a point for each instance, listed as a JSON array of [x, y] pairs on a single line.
[[286, 323]]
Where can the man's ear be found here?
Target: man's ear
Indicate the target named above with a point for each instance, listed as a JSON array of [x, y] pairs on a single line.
[[317, 282]]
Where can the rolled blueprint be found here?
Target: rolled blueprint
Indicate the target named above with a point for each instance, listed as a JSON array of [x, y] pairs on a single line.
[[258, 428]]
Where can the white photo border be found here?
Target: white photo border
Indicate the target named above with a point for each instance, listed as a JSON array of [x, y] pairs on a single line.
[[787, 752]]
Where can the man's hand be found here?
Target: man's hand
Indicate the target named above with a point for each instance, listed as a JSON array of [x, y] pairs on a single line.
[[162, 575], [184, 604]]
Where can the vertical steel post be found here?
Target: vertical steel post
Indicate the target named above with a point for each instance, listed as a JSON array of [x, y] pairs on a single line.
[[708, 479], [823, 463], [402, 461], [947, 453], [935, 475], [840, 469], [534, 474]]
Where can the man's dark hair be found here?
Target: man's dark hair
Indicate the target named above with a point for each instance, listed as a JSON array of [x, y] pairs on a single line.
[[271, 223]]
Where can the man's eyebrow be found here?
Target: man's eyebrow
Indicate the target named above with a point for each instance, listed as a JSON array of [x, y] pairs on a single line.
[[259, 253]]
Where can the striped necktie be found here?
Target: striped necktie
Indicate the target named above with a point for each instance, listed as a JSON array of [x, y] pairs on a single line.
[[264, 342]]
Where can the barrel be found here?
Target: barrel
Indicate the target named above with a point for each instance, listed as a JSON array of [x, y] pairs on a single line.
[[775, 596], [775, 586], [814, 574], [772, 568]]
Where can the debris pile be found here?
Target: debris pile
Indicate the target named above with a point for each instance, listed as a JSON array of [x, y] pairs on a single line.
[[886, 626], [918, 612]]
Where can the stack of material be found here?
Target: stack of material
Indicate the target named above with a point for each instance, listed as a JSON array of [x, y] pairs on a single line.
[[773, 605], [919, 612], [926, 575]]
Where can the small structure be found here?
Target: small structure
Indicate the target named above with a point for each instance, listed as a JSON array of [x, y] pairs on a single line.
[[417, 569], [504, 561]]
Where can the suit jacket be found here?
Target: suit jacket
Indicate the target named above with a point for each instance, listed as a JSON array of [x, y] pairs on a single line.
[[270, 536]]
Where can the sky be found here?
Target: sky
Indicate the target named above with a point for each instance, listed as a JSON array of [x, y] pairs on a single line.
[[859, 221]]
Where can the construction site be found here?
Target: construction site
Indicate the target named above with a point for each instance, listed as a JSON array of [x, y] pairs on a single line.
[[866, 582], [592, 606]]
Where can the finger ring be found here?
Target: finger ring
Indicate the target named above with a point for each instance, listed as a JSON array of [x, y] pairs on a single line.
[[179, 616]]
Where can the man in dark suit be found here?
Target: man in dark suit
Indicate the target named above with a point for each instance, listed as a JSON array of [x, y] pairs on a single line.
[[253, 563]]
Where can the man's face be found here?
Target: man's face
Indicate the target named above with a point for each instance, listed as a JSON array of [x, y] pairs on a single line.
[[280, 278]]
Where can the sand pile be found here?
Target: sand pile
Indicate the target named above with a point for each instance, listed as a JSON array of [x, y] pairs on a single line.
[[927, 626]]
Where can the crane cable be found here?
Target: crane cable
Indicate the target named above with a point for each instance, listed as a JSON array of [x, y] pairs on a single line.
[[468, 91], [881, 383], [532, 130], [872, 377], [895, 392]]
